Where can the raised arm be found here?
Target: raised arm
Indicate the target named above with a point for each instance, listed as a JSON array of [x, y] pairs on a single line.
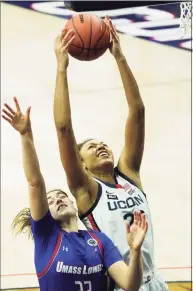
[[82, 186], [130, 277], [131, 156], [37, 191]]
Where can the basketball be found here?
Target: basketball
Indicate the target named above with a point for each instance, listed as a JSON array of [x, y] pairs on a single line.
[[92, 37]]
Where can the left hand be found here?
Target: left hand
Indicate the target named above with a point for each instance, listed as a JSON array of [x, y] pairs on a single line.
[[115, 47], [136, 233], [18, 120], [61, 45]]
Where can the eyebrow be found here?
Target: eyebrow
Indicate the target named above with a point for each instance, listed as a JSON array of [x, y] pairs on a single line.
[[92, 143], [58, 193]]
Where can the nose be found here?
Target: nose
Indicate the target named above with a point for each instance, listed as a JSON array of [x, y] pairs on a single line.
[[100, 147], [59, 200]]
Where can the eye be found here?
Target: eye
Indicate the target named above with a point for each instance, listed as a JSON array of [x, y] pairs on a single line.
[[51, 202], [90, 147], [63, 196]]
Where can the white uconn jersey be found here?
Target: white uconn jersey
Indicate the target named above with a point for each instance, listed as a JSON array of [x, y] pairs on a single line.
[[115, 203]]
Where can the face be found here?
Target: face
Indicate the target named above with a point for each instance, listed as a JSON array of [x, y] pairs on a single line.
[[61, 207], [96, 155]]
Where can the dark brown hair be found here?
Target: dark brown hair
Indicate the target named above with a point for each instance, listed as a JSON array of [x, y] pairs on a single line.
[[22, 223]]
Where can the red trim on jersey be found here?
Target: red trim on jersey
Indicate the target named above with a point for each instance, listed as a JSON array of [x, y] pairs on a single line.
[[92, 222], [58, 243], [98, 241], [119, 186]]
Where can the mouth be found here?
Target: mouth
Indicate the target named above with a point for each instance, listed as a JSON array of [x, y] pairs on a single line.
[[61, 207], [103, 154]]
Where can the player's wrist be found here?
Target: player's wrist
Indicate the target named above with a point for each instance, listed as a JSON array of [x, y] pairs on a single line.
[[135, 254], [135, 251], [62, 69], [120, 57]]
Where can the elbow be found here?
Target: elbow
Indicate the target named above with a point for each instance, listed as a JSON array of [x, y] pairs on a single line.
[[140, 108], [136, 288], [64, 130], [36, 182], [63, 126]]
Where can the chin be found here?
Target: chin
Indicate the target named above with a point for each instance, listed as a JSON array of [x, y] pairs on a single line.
[[108, 162]]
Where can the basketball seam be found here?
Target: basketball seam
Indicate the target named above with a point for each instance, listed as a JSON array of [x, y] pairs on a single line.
[[79, 36], [90, 36], [101, 35], [91, 49]]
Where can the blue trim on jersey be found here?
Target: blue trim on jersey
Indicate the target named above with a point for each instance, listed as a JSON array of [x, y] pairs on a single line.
[[95, 203], [116, 170]]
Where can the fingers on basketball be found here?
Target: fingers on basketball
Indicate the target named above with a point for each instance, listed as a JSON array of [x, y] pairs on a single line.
[[67, 38], [114, 33], [112, 28]]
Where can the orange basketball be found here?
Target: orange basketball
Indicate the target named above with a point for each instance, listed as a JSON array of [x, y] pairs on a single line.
[[92, 37]]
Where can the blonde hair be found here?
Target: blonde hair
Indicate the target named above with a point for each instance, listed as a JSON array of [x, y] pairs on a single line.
[[22, 223]]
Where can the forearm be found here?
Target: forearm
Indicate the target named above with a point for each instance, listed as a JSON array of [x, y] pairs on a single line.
[[30, 160], [62, 113], [129, 83], [135, 271]]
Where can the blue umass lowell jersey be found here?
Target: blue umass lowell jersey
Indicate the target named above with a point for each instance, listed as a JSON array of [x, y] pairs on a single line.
[[75, 261]]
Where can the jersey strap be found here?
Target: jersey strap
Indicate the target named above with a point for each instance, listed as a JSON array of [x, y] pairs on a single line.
[[93, 222], [56, 249]]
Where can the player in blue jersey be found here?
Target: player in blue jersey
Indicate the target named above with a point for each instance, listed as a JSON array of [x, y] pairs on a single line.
[[66, 258], [105, 193]]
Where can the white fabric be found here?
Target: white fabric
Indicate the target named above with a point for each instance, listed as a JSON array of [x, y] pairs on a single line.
[[111, 207]]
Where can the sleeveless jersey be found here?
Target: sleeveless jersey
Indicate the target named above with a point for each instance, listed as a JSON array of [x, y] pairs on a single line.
[[71, 261], [115, 203]]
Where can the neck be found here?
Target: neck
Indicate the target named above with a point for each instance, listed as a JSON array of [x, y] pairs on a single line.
[[106, 177], [70, 225]]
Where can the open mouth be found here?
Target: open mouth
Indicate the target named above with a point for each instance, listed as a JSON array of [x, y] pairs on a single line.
[[103, 154], [62, 207]]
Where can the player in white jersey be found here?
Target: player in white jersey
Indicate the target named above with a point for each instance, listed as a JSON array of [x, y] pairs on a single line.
[[117, 202], [106, 196]]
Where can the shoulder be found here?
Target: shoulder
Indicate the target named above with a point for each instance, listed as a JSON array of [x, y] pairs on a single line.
[[44, 226], [100, 237]]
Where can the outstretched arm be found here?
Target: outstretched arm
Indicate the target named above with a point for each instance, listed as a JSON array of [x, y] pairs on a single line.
[[37, 191], [130, 277], [79, 181], [131, 156]]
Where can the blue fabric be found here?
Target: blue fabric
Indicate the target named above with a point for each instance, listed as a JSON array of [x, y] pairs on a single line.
[[71, 261]]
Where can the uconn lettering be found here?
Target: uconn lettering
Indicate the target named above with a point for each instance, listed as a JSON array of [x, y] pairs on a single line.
[[127, 204]]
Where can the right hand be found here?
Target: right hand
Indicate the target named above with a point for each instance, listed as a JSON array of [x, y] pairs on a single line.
[[136, 233], [61, 45], [17, 119]]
